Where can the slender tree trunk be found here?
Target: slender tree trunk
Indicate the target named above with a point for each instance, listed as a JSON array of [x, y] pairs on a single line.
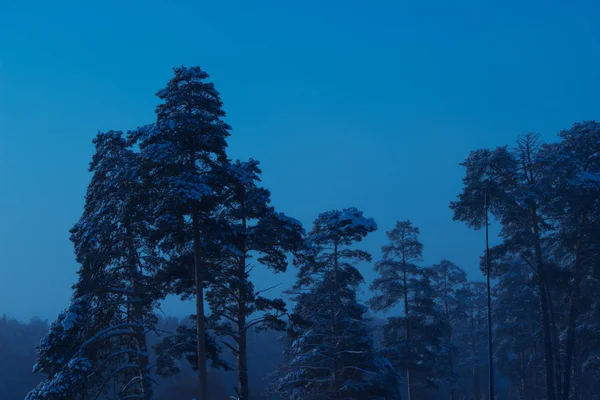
[[407, 337], [334, 327], [577, 379], [476, 387], [200, 323], [476, 327], [522, 377], [242, 353], [548, 351], [555, 345], [138, 320], [141, 344], [489, 303], [242, 362], [449, 327], [574, 310]]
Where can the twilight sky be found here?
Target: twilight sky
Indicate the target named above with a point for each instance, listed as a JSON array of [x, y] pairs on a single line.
[[346, 103]]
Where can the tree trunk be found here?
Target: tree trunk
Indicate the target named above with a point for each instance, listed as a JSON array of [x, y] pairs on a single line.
[[334, 328], [475, 329], [555, 345], [242, 339], [242, 362], [577, 379], [574, 310], [476, 387], [448, 321], [523, 377], [242, 356], [141, 344], [200, 323], [548, 351], [407, 334], [138, 321]]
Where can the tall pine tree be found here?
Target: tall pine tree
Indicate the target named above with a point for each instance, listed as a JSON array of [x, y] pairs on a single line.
[[182, 152], [330, 352], [252, 229], [448, 280], [103, 333], [517, 188], [398, 283]]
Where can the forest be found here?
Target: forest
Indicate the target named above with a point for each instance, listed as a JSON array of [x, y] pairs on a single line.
[[168, 213]]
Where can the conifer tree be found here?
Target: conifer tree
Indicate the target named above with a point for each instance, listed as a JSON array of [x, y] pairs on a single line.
[[448, 281], [471, 335], [252, 229], [249, 230], [517, 187], [58, 356], [401, 281], [575, 174], [517, 336], [182, 151], [330, 352], [103, 333]]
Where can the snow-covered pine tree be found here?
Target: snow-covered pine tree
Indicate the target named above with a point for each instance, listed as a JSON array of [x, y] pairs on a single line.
[[397, 283], [102, 336], [574, 168], [184, 148], [249, 229], [518, 344], [252, 230], [182, 344], [586, 361], [448, 280], [517, 187], [58, 355], [412, 341], [471, 336], [427, 328], [330, 352]]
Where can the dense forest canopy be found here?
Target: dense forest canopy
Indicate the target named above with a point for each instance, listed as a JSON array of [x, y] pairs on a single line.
[[168, 213]]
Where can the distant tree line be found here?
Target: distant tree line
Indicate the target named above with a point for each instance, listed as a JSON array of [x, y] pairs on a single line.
[[168, 213], [17, 355]]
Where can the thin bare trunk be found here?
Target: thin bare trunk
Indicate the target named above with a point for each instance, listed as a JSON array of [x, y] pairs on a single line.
[[574, 310], [476, 389], [200, 323], [577, 378], [407, 333], [141, 344], [138, 316], [476, 341], [242, 356], [334, 327], [489, 301], [242, 364], [523, 388], [555, 344], [449, 322], [548, 351]]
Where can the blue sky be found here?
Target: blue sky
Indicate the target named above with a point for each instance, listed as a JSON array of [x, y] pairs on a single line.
[[346, 103]]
